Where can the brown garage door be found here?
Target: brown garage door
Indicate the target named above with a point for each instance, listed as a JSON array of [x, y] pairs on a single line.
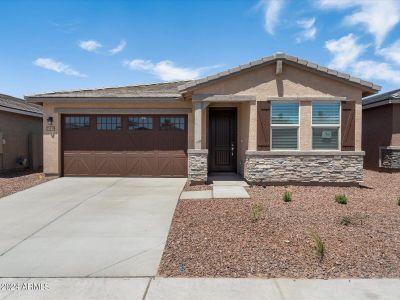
[[123, 145]]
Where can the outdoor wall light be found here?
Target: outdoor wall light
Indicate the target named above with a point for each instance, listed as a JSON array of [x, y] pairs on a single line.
[[50, 121]]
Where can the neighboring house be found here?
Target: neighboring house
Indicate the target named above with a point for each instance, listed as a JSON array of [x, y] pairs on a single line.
[[277, 119], [381, 131], [20, 134]]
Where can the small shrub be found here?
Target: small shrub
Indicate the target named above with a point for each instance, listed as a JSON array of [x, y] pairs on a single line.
[[345, 221], [287, 196], [319, 245], [255, 213], [341, 199], [398, 201]]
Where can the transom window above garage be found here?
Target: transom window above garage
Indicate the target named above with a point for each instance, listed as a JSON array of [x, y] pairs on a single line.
[[77, 122], [109, 123], [172, 123], [140, 123]]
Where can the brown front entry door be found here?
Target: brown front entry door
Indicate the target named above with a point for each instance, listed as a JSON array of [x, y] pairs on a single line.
[[222, 142]]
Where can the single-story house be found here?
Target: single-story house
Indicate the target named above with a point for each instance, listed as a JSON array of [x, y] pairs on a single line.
[[381, 131], [20, 134], [277, 119]]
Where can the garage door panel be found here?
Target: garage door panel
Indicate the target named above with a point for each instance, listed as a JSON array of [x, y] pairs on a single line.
[[180, 165], [117, 164], [133, 164], [124, 152], [79, 163]]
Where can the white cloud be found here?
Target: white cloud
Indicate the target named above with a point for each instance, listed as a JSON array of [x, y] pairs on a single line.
[[272, 10], [345, 51], [379, 17], [309, 30], [391, 53], [119, 47], [166, 70], [90, 45], [56, 66], [373, 70]]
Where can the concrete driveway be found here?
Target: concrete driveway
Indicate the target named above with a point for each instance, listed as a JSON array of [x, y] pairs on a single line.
[[96, 227]]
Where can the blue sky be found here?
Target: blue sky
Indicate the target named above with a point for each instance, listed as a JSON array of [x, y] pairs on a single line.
[[61, 45]]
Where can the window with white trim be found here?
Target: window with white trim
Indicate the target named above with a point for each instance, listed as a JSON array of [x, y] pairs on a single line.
[[325, 125], [284, 125]]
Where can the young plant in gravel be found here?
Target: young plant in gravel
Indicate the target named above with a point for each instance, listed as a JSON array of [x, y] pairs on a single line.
[[398, 201], [319, 245], [255, 212], [341, 199], [345, 221], [287, 196]]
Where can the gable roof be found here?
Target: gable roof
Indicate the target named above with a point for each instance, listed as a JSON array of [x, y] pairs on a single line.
[[369, 87], [175, 90], [19, 106], [382, 99], [156, 90]]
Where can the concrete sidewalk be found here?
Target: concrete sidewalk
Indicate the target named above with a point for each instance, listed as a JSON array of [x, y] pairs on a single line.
[[203, 288]]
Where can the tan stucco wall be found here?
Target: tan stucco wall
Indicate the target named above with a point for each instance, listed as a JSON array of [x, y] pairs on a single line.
[[262, 83], [52, 140], [15, 130], [305, 134], [293, 82]]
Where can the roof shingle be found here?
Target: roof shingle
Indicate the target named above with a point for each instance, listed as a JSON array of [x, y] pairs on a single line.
[[382, 99], [17, 104], [167, 89]]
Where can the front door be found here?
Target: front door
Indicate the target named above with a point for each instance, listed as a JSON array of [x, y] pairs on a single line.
[[222, 139]]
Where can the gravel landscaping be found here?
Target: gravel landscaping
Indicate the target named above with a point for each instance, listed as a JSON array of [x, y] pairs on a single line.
[[199, 187], [221, 238], [12, 182]]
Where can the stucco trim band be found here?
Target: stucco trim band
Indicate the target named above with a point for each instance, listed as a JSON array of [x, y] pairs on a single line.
[[137, 111], [307, 98], [223, 98], [303, 153]]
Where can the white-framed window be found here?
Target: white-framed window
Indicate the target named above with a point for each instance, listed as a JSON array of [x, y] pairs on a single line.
[[326, 125], [284, 125]]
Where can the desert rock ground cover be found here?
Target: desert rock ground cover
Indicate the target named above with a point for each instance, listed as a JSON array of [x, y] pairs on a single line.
[[219, 238], [12, 182]]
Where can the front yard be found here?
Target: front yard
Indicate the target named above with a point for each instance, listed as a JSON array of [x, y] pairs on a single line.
[[12, 182], [218, 238]]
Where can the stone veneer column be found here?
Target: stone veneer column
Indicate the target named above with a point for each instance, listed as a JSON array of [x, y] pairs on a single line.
[[197, 165]]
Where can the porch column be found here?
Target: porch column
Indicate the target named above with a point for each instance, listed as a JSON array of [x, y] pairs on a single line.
[[198, 157], [252, 144], [198, 111]]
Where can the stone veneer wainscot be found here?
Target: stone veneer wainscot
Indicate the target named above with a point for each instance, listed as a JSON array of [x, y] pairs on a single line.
[[285, 166], [390, 157], [197, 165]]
